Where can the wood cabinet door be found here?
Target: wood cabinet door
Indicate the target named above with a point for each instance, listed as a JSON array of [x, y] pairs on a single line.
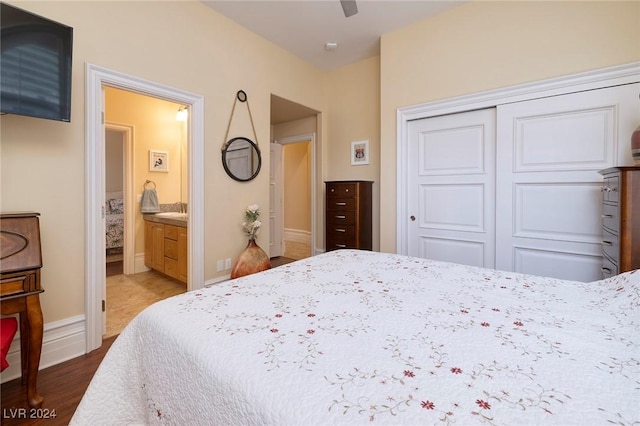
[[157, 247], [148, 244]]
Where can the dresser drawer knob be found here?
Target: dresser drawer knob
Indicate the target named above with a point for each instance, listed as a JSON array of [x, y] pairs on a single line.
[[341, 245], [607, 243], [340, 230], [606, 270], [607, 216], [341, 204], [341, 217]]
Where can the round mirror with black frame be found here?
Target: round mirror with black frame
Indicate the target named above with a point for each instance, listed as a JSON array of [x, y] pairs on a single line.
[[241, 159]]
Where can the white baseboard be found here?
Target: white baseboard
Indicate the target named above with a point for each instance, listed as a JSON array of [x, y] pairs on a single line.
[[62, 340], [297, 236], [217, 280]]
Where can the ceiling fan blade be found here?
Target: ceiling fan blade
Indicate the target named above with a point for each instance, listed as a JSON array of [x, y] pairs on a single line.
[[349, 7]]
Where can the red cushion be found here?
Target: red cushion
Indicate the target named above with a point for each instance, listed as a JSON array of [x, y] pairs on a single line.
[[8, 328]]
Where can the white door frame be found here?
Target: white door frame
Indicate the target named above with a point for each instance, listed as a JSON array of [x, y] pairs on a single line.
[[276, 201], [304, 138], [612, 76], [128, 261], [96, 78]]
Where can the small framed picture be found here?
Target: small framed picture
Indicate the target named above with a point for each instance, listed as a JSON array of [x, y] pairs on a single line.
[[158, 161], [359, 153]]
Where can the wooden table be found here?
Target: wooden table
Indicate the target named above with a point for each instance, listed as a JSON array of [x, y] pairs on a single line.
[[20, 263]]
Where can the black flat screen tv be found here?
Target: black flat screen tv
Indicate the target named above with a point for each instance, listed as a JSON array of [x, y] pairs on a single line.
[[35, 64]]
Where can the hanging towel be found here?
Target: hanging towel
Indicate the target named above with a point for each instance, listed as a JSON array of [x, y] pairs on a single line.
[[149, 201]]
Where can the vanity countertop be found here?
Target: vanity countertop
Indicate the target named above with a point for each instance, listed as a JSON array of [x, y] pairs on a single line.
[[176, 221]]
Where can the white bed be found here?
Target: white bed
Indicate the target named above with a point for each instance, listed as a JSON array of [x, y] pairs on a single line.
[[355, 337]]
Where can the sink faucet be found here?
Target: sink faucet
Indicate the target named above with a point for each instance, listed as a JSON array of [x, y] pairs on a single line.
[[181, 207]]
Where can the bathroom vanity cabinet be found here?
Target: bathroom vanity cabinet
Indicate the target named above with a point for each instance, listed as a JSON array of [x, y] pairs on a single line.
[[165, 249]]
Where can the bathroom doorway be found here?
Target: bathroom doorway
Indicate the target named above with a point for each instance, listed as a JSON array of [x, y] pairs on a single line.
[[158, 127], [98, 79]]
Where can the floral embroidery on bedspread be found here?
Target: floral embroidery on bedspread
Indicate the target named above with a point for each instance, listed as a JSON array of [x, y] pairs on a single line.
[[476, 344]]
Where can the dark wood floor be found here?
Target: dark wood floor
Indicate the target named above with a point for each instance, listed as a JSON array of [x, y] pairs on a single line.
[[61, 386]]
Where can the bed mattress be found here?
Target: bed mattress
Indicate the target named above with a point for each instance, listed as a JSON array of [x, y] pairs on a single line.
[[355, 337]]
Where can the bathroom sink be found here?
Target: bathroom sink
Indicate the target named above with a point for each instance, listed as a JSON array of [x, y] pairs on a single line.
[[172, 215]]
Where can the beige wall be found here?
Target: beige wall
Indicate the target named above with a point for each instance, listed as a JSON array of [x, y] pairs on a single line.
[[182, 44], [353, 114], [486, 45], [299, 127], [154, 128], [297, 184]]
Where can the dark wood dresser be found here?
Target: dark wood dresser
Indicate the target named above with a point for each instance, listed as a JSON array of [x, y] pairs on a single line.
[[20, 263], [620, 220], [348, 214]]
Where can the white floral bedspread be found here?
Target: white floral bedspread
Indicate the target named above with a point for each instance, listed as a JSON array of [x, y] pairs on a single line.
[[353, 337]]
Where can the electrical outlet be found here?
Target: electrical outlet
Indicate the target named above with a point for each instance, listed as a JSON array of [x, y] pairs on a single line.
[[227, 263], [220, 265]]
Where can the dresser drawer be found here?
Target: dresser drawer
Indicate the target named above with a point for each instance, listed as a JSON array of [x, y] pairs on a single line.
[[338, 241], [338, 217], [611, 217], [611, 189], [17, 283], [344, 232], [170, 250], [341, 204], [342, 189], [171, 267], [609, 268], [610, 245], [171, 232]]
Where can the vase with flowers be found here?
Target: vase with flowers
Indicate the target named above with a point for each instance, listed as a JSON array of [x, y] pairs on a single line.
[[252, 222], [253, 259]]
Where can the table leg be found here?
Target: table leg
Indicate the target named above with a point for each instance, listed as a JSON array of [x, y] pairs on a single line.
[[34, 318]]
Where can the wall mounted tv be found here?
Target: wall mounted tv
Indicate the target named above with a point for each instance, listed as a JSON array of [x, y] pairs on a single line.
[[35, 65]]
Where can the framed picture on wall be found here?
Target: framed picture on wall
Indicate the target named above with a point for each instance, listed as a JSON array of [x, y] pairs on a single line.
[[359, 153], [158, 161]]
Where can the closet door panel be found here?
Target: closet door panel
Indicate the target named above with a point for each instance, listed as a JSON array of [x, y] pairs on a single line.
[[548, 189], [452, 193], [466, 252], [547, 211]]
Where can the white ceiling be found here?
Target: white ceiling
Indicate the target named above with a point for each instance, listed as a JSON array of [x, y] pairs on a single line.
[[303, 27]]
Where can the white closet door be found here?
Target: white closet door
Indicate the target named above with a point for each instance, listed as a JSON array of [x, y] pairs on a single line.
[[548, 190], [451, 197]]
